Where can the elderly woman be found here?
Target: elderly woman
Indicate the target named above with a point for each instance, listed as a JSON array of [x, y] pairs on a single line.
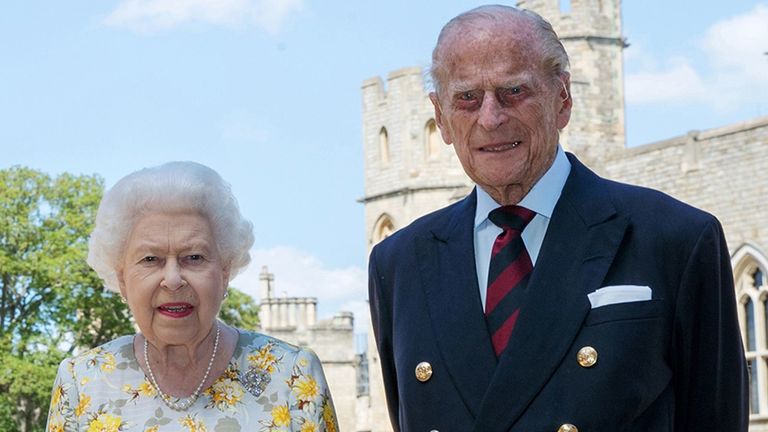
[[169, 239]]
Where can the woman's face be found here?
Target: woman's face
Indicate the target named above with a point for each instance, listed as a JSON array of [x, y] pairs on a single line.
[[173, 278]]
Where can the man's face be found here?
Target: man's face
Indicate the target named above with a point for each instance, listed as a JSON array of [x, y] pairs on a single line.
[[500, 109]]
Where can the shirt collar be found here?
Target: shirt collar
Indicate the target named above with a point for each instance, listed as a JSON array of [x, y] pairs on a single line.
[[541, 198]]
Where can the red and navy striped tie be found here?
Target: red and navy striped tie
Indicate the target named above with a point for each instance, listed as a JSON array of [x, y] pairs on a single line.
[[508, 273]]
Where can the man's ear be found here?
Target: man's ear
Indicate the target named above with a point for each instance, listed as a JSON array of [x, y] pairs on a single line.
[[566, 100], [439, 118]]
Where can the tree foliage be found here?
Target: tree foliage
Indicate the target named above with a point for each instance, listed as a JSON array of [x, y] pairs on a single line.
[[48, 294], [240, 310], [51, 302]]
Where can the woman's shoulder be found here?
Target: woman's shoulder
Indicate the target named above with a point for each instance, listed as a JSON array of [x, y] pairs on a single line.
[[254, 341], [266, 352], [117, 346], [106, 357]]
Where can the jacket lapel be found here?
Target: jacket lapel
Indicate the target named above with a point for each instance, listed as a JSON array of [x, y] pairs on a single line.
[[582, 239], [447, 267]]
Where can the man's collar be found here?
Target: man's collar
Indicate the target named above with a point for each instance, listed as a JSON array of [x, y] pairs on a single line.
[[541, 198]]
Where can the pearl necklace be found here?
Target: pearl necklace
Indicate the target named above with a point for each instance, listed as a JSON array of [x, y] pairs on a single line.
[[182, 404]]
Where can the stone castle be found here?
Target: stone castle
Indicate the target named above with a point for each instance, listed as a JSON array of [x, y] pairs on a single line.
[[409, 171]]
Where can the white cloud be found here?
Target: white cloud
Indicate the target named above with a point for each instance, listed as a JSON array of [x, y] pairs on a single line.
[[155, 15], [737, 71], [299, 274], [739, 43], [679, 82]]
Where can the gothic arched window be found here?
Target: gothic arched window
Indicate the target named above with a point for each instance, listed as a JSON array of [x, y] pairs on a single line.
[[384, 146], [433, 140], [382, 229], [749, 267]]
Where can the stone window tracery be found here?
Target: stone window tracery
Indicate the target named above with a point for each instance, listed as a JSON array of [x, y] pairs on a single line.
[[752, 292]]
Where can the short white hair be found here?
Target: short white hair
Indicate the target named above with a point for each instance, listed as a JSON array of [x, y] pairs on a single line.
[[554, 58], [171, 187]]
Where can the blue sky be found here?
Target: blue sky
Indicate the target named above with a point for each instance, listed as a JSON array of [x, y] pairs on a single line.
[[268, 94]]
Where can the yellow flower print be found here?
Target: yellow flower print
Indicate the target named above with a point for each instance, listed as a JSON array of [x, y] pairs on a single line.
[[230, 373], [329, 417], [309, 426], [152, 429], [303, 362], [281, 416], [85, 401], [84, 381], [55, 427], [109, 363], [264, 359], [58, 393], [105, 423], [225, 393], [306, 389], [193, 425], [146, 389]]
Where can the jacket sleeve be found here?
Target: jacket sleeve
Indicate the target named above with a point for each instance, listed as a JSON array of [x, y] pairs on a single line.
[[381, 317], [710, 370]]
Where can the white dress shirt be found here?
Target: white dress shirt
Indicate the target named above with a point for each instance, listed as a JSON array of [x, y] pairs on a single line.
[[541, 199]]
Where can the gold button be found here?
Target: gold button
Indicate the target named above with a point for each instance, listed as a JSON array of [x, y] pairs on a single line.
[[587, 356], [568, 428], [423, 371]]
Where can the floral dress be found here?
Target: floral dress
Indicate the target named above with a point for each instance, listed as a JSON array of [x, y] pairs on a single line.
[[268, 386]]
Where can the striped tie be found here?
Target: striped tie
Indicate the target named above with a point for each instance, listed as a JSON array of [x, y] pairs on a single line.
[[508, 274]]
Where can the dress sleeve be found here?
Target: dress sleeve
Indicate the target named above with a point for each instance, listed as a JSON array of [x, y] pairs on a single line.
[[64, 400], [310, 398]]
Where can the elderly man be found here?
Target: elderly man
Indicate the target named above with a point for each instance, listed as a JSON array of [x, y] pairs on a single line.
[[549, 299]]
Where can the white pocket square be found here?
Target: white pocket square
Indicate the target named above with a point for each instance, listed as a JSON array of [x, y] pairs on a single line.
[[619, 294]]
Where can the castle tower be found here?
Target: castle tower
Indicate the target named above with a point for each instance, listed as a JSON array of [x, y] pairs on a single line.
[[591, 33], [409, 170]]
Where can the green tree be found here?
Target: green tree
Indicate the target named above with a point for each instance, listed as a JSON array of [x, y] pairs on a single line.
[[51, 302], [240, 310]]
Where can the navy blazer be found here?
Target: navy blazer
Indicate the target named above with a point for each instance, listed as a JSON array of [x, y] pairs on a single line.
[[673, 363]]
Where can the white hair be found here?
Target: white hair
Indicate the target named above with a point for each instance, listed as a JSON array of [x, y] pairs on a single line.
[[171, 187], [553, 56]]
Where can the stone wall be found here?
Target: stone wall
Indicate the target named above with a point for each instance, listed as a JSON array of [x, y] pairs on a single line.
[[723, 171]]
